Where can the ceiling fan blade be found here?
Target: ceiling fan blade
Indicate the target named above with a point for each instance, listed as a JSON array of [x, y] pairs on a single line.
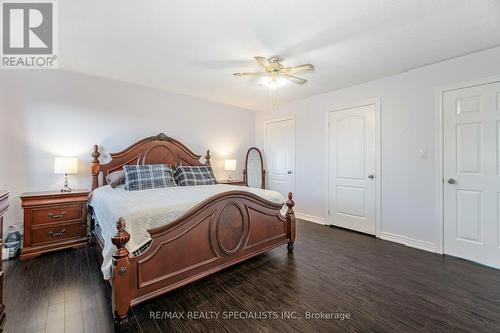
[[252, 74], [299, 68], [294, 79], [263, 62]]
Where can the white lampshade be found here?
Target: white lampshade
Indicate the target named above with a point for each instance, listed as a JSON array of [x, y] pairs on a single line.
[[66, 165], [230, 165]]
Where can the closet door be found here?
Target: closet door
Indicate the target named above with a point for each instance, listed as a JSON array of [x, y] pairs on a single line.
[[472, 173], [352, 164], [279, 150]]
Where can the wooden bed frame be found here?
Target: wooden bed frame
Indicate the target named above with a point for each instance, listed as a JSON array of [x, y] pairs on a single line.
[[219, 232]]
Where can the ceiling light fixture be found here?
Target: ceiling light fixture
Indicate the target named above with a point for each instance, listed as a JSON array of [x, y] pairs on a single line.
[[276, 75], [273, 82]]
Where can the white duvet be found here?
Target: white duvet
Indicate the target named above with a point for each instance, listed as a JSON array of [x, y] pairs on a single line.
[[148, 209]]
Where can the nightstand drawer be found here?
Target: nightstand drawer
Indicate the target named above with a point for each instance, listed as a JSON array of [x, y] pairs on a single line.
[[56, 214], [56, 232]]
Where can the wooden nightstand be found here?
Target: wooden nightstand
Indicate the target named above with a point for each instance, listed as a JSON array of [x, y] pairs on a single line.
[[54, 221], [233, 182]]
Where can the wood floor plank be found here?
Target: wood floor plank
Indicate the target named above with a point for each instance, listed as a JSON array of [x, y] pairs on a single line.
[[40, 298], [18, 296], [382, 286]]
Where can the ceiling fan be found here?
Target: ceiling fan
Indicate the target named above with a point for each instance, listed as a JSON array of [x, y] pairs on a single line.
[[275, 72]]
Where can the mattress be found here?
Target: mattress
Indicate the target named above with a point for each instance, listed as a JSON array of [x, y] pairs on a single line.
[[148, 209]]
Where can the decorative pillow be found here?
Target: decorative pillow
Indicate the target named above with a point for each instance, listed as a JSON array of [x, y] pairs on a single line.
[[116, 178], [144, 177], [194, 175]]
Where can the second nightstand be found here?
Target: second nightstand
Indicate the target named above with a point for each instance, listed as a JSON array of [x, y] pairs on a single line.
[[53, 221]]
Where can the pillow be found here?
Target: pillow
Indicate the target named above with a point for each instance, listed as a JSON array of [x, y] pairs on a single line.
[[116, 178], [144, 177], [194, 175]]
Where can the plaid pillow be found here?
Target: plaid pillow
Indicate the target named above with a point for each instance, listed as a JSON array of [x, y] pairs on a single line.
[[143, 177], [194, 175]]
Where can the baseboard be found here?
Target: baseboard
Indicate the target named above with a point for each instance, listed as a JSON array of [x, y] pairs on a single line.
[[393, 238], [422, 245], [411, 242], [310, 218]]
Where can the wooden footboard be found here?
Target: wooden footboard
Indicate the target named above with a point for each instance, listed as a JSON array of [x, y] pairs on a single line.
[[217, 233]]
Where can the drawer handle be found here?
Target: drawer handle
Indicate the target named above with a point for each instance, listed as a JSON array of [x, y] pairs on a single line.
[[56, 216], [56, 234]]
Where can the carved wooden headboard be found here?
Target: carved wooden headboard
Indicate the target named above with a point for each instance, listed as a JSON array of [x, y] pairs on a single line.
[[158, 149]]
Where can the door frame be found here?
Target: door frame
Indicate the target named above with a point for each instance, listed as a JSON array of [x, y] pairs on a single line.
[[378, 163], [439, 149], [277, 120]]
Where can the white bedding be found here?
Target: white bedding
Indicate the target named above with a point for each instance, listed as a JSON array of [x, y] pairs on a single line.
[[149, 209]]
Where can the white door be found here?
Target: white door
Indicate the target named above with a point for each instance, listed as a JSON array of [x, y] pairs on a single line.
[[279, 150], [352, 165], [472, 173]]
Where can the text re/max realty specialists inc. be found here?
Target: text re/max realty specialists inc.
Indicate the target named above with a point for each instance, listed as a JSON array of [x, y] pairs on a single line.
[[249, 315]]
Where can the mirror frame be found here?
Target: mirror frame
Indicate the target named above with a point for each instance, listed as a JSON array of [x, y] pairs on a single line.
[[245, 178]]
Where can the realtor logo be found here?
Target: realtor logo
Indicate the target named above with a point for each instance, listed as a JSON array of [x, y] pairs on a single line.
[[28, 34]]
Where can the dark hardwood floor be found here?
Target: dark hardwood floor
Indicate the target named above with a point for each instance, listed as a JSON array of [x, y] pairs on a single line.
[[382, 286]]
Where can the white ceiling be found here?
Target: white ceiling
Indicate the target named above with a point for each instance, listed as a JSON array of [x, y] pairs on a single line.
[[193, 46]]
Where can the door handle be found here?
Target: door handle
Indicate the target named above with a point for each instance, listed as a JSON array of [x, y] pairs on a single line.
[[371, 176], [451, 181], [289, 172]]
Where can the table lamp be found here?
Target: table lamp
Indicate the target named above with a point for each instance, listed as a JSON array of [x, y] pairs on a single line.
[[229, 165], [66, 166]]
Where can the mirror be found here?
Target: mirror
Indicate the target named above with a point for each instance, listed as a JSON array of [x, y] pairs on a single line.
[[254, 174]]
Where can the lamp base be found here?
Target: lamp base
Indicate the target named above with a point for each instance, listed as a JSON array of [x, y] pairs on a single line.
[[66, 188]]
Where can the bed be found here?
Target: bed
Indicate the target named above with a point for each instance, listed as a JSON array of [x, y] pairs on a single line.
[[203, 230]]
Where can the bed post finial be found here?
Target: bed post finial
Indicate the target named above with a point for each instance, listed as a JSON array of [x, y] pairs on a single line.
[[119, 239], [207, 158], [290, 220], [95, 167], [121, 277]]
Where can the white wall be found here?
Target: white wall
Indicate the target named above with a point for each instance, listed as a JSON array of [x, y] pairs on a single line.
[[56, 113], [407, 125]]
